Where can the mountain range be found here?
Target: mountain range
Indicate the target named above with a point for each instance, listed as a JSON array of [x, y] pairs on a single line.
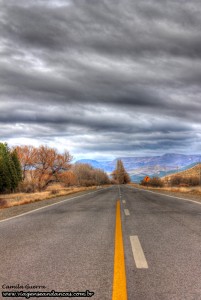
[[138, 167]]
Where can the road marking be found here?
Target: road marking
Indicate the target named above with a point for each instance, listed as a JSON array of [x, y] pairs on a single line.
[[119, 191], [119, 279], [138, 253], [165, 195], [124, 201], [31, 211], [126, 211]]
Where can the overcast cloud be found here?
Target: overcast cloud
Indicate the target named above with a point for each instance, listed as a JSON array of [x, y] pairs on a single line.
[[101, 78]]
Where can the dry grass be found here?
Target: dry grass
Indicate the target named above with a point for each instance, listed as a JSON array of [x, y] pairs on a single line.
[[191, 172], [52, 191], [3, 203], [196, 190]]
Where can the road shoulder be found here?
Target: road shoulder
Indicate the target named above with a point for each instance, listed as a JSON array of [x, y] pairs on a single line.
[[21, 209], [180, 195]]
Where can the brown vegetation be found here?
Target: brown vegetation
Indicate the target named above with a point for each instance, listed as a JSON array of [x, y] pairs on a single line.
[[190, 176], [154, 182], [45, 173], [119, 175], [3, 203], [87, 176], [16, 199], [41, 166], [179, 180], [68, 178], [196, 190]]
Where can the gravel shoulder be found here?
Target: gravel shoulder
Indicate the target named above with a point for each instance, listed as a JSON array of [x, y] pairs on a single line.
[[18, 210]]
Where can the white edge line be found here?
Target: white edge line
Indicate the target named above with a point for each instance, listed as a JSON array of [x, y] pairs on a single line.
[[31, 211], [166, 195]]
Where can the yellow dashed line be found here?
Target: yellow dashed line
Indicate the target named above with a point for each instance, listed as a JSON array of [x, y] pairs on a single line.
[[119, 280]]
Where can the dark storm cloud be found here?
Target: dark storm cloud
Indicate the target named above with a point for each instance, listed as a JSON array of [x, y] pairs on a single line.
[[125, 70], [118, 93], [106, 26]]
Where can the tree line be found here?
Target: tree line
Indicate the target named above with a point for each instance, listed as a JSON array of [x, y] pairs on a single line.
[[30, 169], [44, 165]]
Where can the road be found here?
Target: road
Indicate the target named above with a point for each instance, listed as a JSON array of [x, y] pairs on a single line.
[[71, 246]]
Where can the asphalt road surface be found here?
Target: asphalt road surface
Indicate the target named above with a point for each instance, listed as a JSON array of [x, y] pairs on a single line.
[[71, 246]]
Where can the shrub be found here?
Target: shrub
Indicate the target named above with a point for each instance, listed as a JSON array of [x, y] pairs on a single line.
[[143, 182], [86, 175], [184, 181], [156, 182], [193, 181], [87, 183], [27, 187], [54, 192], [112, 181], [3, 203], [176, 180]]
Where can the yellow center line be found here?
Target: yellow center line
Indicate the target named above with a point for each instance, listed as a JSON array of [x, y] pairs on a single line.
[[119, 280]]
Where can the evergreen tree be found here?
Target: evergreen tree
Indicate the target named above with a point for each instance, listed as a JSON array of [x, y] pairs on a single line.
[[12, 171], [119, 174], [9, 168], [4, 170], [17, 165]]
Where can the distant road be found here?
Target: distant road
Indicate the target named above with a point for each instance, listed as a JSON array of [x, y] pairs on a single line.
[[70, 246]]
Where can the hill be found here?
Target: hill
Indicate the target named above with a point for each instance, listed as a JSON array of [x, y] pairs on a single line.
[[138, 167], [192, 171]]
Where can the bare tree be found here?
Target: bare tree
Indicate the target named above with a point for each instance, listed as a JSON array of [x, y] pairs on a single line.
[[119, 174], [43, 164]]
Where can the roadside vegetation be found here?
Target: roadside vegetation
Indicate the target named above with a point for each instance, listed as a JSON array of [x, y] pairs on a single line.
[[181, 185], [119, 175], [54, 190], [153, 182], [183, 190], [175, 181], [29, 174], [184, 181], [10, 169], [43, 166]]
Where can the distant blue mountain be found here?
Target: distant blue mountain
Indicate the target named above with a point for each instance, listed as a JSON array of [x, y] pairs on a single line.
[[96, 164], [166, 160], [138, 167], [91, 162]]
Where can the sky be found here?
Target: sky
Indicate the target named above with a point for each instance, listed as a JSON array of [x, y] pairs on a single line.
[[101, 78]]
